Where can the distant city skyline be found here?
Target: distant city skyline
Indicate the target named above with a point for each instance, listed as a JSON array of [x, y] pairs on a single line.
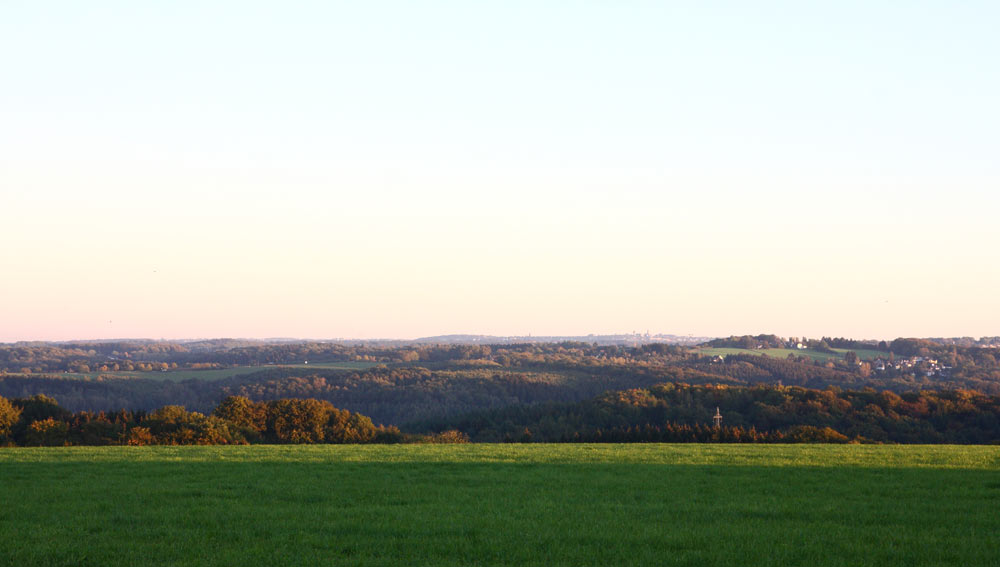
[[393, 169]]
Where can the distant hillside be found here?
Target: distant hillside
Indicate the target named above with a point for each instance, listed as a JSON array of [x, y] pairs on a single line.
[[396, 384], [603, 340]]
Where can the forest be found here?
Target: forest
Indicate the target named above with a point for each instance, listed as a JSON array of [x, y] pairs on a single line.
[[676, 412], [520, 392], [40, 421], [671, 412]]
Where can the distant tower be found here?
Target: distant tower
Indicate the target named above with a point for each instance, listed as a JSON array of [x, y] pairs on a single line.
[[717, 418]]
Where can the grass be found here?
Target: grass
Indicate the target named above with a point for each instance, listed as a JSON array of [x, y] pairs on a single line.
[[863, 354], [208, 374], [334, 365], [501, 505]]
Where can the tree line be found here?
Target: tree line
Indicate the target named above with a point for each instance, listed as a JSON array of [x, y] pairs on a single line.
[[40, 421]]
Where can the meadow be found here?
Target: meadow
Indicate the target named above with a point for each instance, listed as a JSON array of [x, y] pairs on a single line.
[[501, 505], [838, 353]]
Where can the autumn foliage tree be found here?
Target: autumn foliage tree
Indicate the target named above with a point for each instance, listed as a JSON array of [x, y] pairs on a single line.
[[173, 425], [47, 432], [9, 415]]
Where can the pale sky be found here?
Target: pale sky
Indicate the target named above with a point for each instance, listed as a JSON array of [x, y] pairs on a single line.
[[402, 169]]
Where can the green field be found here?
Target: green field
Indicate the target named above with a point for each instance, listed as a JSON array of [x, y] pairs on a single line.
[[333, 365], [211, 374], [501, 505], [863, 354]]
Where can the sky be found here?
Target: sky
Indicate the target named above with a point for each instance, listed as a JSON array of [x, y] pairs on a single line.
[[403, 169]]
